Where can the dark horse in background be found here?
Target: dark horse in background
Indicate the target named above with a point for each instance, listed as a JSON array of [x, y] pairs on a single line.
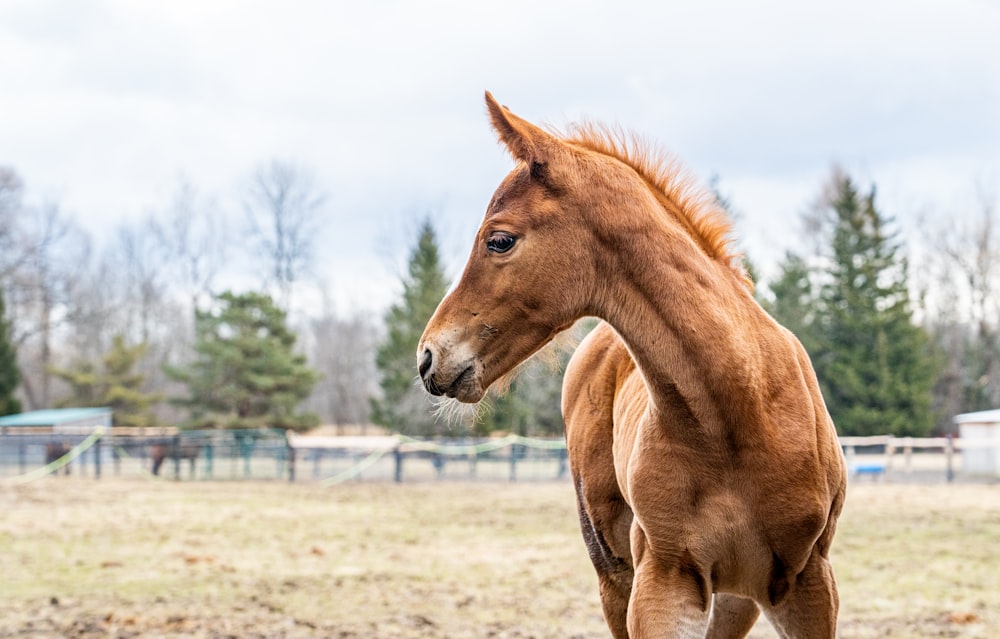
[[160, 452], [55, 451]]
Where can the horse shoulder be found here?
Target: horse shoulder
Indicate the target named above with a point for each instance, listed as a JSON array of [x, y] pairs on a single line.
[[590, 381]]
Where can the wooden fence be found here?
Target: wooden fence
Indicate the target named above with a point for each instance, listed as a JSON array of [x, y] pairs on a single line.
[[904, 458]]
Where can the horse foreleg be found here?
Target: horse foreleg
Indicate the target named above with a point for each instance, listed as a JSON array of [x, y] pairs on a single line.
[[605, 520], [669, 599], [732, 617], [810, 608]]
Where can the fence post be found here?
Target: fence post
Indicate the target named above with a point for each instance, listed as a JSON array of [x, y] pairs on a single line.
[[513, 462], [247, 452], [949, 453], [291, 460], [399, 465], [209, 458], [245, 444], [97, 458], [176, 450], [908, 454], [890, 450]]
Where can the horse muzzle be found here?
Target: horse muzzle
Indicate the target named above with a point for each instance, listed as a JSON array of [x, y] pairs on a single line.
[[455, 380]]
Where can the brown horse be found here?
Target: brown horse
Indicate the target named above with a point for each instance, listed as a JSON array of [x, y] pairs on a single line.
[[159, 453], [708, 473], [54, 451]]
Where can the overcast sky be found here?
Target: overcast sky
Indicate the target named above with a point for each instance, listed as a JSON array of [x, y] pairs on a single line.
[[103, 105]]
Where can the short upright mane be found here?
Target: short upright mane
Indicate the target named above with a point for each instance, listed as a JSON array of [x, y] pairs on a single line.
[[695, 207]]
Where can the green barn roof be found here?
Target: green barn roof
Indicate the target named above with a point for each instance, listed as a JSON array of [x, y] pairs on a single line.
[[56, 417]]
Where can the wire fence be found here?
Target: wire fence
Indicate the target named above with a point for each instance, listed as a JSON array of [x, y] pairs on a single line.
[[270, 454], [400, 458], [276, 455], [204, 455]]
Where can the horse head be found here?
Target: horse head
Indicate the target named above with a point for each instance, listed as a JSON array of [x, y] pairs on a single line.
[[528, 275]]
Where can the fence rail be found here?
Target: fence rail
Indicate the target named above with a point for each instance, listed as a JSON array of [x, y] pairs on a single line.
[[248, 454], [512, 457], [274, 454]]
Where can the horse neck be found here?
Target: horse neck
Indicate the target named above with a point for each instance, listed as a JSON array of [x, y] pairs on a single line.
[[688, 321]]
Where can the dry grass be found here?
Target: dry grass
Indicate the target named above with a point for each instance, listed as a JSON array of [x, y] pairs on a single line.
[[115, 558]]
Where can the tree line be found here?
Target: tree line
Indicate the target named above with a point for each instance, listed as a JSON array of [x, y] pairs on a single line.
[[146, 328], [903, 335]]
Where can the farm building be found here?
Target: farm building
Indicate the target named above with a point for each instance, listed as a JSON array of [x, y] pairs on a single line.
[[36, 438], [74, 421], [980, 437]]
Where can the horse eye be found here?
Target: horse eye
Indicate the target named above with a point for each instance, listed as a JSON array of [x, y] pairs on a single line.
[[500, 242]]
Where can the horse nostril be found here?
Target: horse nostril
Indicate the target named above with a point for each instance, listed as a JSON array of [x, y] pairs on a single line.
[[425, 363]]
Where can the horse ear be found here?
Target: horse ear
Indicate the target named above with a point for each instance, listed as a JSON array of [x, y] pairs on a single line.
[[524, 140]]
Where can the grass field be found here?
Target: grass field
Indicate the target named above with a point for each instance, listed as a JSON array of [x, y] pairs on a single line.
[[131, 558]]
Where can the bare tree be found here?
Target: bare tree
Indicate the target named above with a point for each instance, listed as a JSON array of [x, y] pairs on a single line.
[[11, 194], [342, 349], [281, 205], [98, 302], [193, 237], [965, 306], [143, 261], [16, 247], [156, 288], [37, 246], [53, 254]]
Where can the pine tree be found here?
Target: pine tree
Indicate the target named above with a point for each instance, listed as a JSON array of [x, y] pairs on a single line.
[[794, 299], [10, 375], [404, 407], [114, 384], [874, 363], [245, 373], [532, 405], [725, 202]]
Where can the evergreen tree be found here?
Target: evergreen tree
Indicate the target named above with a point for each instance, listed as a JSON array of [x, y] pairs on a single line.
[[735, 216], [405, 407], [245, 373], [532, 406], [114, 384], [794, 300], [10, 376], [874, 364]]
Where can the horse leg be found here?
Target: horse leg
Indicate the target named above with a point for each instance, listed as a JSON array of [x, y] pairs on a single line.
[[668, 599], [593, 378], [157, 453], [732, 617], [810, 607], [605, 520]]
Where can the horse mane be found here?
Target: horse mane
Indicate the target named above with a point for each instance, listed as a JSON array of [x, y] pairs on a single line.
[[696, 208]]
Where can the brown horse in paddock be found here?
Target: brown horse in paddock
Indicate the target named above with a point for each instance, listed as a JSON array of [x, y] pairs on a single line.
[[158, 453], [708, 473], [55, 451]]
